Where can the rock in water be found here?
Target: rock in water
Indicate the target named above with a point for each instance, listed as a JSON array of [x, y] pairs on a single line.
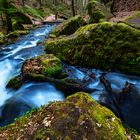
[[37, 68], [47, 65]]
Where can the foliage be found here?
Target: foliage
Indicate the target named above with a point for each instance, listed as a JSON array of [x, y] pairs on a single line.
[[94, 11], [7, 6], [60, 8], [32, 11]]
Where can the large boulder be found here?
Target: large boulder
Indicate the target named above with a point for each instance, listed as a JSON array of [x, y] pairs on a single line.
[[69, 26], [78, 117], [41, 68], [105, 45]]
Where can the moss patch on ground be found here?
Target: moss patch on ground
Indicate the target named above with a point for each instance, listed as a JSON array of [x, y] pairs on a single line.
[[104, 45], [78, 117]]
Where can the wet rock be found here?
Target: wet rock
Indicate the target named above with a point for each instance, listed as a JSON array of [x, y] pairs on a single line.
[[40, 68], [69, 26], [78, 117], [15, 82], [47, 65], [104, 45]]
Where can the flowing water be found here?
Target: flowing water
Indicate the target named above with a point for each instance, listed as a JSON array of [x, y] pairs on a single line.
[[14, 103]]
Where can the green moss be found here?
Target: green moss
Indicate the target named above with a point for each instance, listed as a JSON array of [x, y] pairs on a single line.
[[15, 82], [2, 37], [78, 117], [52, 66], [37, 13], [104, 45], [95, 11], [69, 26], [17, 33], [47, 65]]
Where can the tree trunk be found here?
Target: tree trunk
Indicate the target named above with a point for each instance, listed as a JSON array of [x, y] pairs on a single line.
[[23, 2], [73, 7], [40, 3]]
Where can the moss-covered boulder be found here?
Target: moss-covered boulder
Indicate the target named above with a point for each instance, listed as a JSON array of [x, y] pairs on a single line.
[[78, 117], [47, 65], [42, 68], [95, 12], [104, 45], [2, 37], [69, 26]]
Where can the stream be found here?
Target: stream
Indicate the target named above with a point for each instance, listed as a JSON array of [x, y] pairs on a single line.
[[14, 103]]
